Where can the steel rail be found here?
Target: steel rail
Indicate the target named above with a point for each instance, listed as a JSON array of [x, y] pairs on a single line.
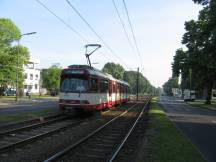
[[36, 125], [36, 137], [5, 126], [76, 144], [116, 152]]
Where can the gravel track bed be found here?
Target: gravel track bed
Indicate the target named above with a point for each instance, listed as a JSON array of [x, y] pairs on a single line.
[[132, 149], [100, 146], [46, 147]]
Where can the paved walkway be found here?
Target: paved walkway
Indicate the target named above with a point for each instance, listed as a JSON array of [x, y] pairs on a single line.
[[8, 107], [23, 101], [198, 124]]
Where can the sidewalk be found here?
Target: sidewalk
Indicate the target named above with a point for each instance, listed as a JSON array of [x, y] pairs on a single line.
[[23, 101]]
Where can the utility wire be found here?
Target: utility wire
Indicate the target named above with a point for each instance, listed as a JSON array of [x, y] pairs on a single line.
[[132, 31], [92, 29], [123, 25], [61, 20]]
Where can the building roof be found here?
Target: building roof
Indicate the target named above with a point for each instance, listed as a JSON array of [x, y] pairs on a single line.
[[34, 60]]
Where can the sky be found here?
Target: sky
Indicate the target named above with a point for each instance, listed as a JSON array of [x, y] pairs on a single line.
[[158, 28]]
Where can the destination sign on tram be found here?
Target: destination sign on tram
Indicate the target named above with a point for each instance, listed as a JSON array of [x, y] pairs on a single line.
[[73, 72]]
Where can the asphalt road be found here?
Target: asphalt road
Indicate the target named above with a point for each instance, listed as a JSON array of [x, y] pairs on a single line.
[[198, 124], [9, 108]]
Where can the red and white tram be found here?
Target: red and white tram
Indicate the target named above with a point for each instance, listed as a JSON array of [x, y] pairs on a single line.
[[84, 87]]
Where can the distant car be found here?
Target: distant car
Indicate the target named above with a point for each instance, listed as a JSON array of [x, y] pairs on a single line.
[[53, 92], [9, 92]]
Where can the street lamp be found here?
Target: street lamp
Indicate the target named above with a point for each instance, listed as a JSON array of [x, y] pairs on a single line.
[[18, 51]]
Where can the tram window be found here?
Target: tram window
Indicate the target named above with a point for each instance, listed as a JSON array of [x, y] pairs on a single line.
[[74, 85], [118, 88], [110, 88], [94, 85], [113, 87], [104, 86], [122, 88]]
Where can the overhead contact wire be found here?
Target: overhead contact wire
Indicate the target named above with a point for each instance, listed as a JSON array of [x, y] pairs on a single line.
[[132, 31], [92, 29], [61, 20], [122, 24]]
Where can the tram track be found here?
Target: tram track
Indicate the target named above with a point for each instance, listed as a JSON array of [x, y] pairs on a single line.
[[44, 145], [25, 123], [21, 136], [103, 143], [31, 126]]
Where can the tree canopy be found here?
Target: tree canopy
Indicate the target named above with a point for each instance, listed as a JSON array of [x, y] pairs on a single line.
[[51, 78], [200, 55], [10, 61], [171, 83], [118, 72], [203, 2], [145, 86]]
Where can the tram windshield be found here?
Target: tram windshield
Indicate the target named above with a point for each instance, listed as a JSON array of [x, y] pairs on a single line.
[[74, 85]]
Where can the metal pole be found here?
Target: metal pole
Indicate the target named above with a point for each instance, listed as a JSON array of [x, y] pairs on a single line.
[[17, 76], [190, 71], [137, 84]]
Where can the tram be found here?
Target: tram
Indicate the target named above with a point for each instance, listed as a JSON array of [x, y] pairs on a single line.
[[83, 87]]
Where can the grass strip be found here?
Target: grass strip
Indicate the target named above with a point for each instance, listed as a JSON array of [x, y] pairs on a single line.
[[26, 115], [201, 104], [167, 143]]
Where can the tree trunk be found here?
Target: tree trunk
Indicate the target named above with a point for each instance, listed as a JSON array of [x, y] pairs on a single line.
[[209, 94], [204, 93]]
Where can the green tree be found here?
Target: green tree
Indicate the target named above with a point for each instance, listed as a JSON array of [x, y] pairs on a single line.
[[171, 83], [203, 2], [51, 78], [200, 56], [116, 70], [200, 39], [9, 66], [181, 66], [144, 85]]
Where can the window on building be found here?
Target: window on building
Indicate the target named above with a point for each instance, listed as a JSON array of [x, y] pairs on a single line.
[[36, 86], [26, 76], [31, 76], [93, 85], [29, 66], [30, 87], [36, 77], [25, 86]]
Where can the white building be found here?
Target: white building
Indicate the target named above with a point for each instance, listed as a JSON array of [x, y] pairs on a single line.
[[32, 77]]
